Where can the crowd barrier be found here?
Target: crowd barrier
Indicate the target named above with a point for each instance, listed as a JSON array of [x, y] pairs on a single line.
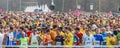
[[87, 46]]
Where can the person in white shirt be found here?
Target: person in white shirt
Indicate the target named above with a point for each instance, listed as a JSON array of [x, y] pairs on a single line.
[[88, 39], [10, 35], [34, 38], [1, 37]]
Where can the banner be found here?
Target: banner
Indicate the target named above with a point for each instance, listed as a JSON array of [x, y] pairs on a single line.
[[110, 13], [77, 13], [69, 11], [1, 10], [91, 5]]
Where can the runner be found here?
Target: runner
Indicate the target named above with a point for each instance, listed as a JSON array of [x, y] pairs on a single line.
[[104, 34], [59, 38], [79, 36], [47, 38], [23, 41], [34, 38], [69, 37], [1, 38], [110, 40], [88, 39], [53, 34], [98, 37], [118, 37]]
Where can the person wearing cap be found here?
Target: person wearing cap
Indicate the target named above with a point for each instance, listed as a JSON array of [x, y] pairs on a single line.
[[110, 39]]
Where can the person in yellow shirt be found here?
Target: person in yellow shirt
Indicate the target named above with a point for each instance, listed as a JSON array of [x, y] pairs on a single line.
[[110, 40], [4, 23], [41, 37], [82, 30], [93, 32], [69, 37]]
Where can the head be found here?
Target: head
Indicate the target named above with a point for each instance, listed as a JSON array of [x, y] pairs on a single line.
[[110, 34], [54, 26], [77, 29], [23, 34], [11, 29], [103, 30], [98, 31]]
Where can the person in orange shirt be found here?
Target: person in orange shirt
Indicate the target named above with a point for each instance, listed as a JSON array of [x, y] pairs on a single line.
[[53, 34], [47, 38]]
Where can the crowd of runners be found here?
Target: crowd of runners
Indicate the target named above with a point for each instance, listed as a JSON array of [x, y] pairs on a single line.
[[47, 29]]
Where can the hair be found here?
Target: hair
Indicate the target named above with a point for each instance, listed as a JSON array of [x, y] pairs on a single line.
[[77, 28], [21, 28], [11, 28], [54, 26], [59, 28]]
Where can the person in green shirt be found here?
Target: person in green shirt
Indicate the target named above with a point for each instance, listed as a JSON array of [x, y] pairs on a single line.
[[23, 41], [118, 37]]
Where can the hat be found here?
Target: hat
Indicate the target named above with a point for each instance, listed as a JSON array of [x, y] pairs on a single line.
[[110, 32]]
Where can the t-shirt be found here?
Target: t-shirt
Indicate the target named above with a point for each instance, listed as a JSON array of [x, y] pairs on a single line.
[[110, 40], [53, 34], [76, 39], [28, 33], [118, 37], [15, 37], [88, 40], [104, 37], [34, 39], [98, 39], [70, 41], [79, 35], [93, 32], [24, 42], [1, 38], [82, 31], [60, 40], [47, 39], [10, 35], [19, 36]]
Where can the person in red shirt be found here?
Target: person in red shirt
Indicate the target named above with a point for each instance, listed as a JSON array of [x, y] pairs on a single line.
[[79, 35], [28, 32]]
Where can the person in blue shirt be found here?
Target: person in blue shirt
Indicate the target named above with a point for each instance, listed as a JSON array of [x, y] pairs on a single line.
[[19, 35], [104, 34], [98, 37]]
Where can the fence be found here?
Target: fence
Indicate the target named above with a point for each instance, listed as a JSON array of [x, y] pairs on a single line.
[[63, 5], [100, 46]]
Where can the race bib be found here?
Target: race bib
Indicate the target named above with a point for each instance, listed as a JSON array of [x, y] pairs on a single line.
[[24, 43], [34, 43], [97, 42], [88, 43], [49, 44], [11, 37], [58, 43]]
